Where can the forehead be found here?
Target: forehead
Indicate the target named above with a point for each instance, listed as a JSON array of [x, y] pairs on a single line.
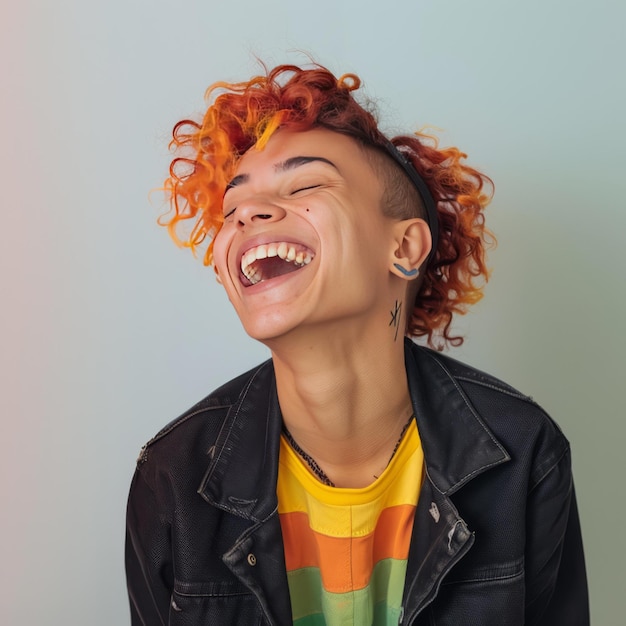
[[345, 153]]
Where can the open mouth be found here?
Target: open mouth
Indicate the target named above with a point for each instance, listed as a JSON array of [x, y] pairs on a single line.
[[273, 259]]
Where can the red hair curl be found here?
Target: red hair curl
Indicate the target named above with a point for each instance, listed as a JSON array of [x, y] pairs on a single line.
[[243, 115]]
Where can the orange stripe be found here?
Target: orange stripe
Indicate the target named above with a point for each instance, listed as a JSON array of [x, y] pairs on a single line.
[[346, 563]]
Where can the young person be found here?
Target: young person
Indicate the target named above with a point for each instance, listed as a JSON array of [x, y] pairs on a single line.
[[355, 478]]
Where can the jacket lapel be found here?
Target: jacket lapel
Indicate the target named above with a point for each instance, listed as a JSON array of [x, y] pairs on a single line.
[[243, 472], [241, 479], [457, 447], [457, 444]]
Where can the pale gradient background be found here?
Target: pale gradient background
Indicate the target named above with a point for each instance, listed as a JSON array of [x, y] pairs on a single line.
[[109, 331]]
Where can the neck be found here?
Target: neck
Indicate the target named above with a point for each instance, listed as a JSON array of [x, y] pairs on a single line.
[[345, 400]]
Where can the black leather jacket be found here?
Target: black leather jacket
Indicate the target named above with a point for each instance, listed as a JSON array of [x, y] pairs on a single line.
[[496, 538]]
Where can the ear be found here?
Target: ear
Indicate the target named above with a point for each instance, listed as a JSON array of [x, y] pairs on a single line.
[[411, 245], [217, 274]]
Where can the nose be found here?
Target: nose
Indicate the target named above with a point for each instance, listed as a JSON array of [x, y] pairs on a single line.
[[256, 210]]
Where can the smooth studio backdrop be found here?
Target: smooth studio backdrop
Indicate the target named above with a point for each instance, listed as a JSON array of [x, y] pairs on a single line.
[[109, 331]]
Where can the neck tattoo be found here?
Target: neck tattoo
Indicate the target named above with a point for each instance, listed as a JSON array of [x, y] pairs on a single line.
[[395, 318], [317, 470]]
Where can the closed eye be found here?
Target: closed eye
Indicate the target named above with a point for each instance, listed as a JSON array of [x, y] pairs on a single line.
[[295, 191]]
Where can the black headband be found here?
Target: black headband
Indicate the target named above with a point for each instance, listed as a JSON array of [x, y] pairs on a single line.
[[422, 189]]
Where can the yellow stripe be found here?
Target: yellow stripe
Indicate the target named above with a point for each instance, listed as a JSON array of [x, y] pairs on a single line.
[[338, 512]]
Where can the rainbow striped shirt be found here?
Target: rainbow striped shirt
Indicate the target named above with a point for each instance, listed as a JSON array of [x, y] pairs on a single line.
[[346, 549]]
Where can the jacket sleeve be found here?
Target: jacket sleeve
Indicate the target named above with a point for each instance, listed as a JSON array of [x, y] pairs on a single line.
[[556, 582], [149, 572]]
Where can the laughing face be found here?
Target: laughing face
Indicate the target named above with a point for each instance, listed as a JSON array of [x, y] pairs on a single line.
[[305, 244]]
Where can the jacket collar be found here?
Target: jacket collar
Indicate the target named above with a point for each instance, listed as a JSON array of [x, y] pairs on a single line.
[[457, 444], [242, 475]]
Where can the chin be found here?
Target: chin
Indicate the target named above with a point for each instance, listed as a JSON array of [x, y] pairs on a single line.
[[266, 330]]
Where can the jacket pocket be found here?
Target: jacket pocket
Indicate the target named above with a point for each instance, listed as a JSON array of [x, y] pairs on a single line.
[[212, 603], [486, 597]]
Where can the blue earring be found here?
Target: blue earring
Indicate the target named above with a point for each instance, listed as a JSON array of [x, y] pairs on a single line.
[[409, 273]]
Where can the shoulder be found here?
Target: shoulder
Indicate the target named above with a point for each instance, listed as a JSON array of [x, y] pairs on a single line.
[[516, 420], [469, 376], [198, 427]]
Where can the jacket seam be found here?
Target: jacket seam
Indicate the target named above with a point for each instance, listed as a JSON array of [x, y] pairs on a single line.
[[504, 390], [431, 481], [235, 594], [558, 546], [483, 580], [234, 419], [550, 469], [181, 420], [465, 479]]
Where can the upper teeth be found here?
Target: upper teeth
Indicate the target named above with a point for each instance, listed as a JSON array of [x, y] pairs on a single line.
[[286, 251]]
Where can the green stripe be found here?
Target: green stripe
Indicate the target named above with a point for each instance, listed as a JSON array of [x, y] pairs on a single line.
[[379, 603]]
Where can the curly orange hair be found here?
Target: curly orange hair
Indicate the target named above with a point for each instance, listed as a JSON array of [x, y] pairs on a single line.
[[243, 115]]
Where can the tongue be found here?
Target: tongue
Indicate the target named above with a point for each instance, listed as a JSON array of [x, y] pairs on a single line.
[[274, 266]]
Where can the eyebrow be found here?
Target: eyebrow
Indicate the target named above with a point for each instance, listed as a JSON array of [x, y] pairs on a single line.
[[283, 166], [298, 161], [241, 178]]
